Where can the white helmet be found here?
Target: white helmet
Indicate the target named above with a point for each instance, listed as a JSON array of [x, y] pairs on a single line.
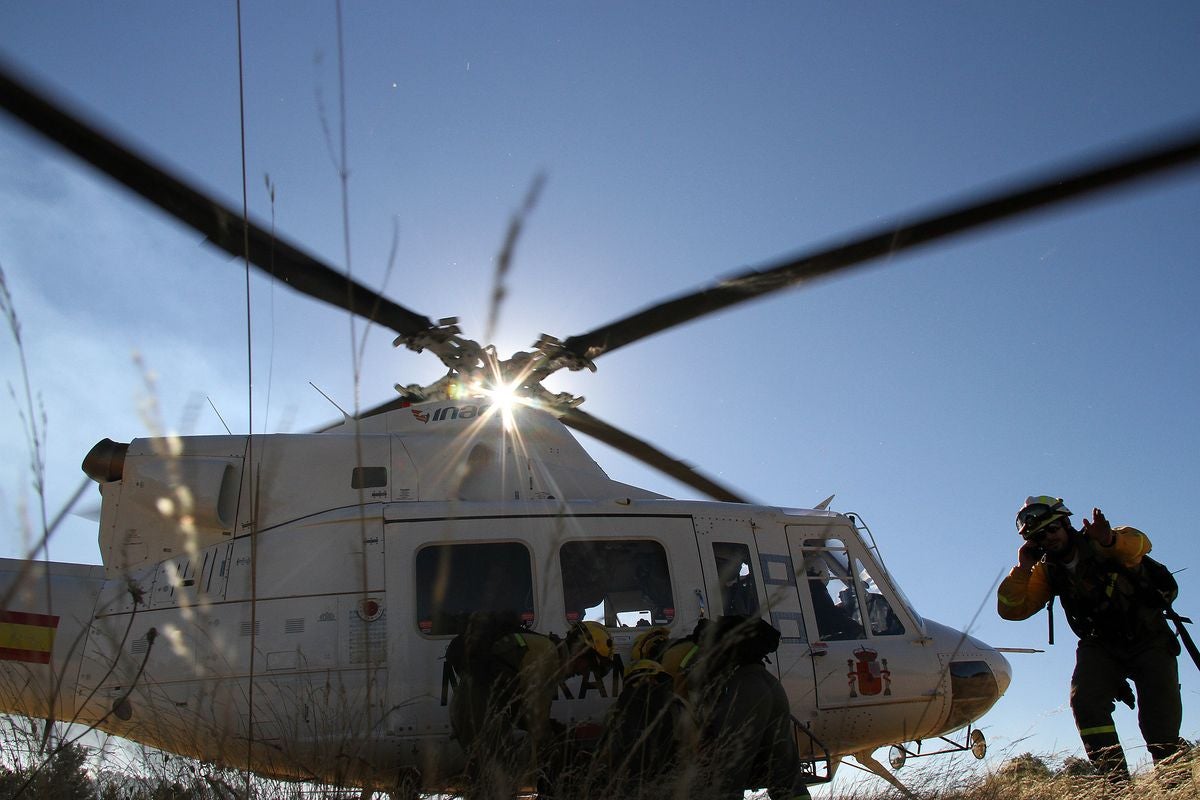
[[1038, 512]]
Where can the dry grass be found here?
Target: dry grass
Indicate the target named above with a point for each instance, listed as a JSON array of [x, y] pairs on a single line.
[[1030, 777], [117, 769]]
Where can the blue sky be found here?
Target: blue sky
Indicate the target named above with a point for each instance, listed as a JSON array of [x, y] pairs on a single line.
[[681, 142]]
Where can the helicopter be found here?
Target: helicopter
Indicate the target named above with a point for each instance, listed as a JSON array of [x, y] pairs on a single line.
[[193, 635]]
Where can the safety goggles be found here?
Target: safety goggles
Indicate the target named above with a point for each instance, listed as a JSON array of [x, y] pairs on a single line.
[[1037, 519], [1038, 536]]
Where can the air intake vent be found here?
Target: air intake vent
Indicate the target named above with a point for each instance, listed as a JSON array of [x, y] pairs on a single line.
[[257, 628], [293, 626]]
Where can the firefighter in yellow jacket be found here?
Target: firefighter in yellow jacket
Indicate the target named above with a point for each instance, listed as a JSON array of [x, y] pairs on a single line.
[[1122, 636]]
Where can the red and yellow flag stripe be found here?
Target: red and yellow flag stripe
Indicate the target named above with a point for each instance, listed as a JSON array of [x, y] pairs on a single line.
[[27, 637]]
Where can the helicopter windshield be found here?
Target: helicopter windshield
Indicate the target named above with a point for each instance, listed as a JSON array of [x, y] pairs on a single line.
[[868, 539]]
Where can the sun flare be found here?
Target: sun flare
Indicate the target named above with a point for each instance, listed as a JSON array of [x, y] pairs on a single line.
[[503, 398]]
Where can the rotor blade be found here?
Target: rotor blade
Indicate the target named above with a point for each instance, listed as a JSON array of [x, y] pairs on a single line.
[[1159, 155], [646, 453], [383, 408], [220, 225]]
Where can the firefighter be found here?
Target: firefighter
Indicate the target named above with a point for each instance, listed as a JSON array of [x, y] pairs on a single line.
[[645, 734], [742, 712], [1097, 573], [507, 679], [741, 723], [676, 657]]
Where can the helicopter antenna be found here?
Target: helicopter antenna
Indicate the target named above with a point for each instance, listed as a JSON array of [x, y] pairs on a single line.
[[330, 399], [218, 413], [824, 504]]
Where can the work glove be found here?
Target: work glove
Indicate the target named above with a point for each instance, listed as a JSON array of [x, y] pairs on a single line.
[[1098, 529]]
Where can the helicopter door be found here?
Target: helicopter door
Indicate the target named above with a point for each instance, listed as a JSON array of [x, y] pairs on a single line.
[[774, 577], [437, 572], [629, 572], [729, 559], [728, 555], [825, 581], [748, 571], [858, 658]]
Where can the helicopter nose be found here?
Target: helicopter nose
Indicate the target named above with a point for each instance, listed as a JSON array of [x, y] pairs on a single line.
[[979, 675], [1001, 669]]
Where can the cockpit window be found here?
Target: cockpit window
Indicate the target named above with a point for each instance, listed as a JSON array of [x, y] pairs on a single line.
[[831, 586], [618, 582], [841, 587], [881, 619], [454, 580]]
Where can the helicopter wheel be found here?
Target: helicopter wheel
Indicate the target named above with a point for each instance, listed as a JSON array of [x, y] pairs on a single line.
[[978, 744]]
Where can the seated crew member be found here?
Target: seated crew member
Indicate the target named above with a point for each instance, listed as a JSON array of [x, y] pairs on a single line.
[[834, 622]]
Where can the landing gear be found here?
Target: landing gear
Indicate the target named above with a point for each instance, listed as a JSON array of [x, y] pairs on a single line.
[[868, 761], [978, 744], [975, 744], [898, 755]]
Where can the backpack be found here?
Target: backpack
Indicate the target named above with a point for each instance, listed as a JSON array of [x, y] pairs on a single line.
[[736, 640], [1118, 602], [640, 744], [1155, 583], [472, 651]]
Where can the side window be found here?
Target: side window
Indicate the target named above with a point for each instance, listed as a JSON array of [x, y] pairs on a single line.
[[831, 585], [368, 477], [621, 583], [454, 580], [739, 592]]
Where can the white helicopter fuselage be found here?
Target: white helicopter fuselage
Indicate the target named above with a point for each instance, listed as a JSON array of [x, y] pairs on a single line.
[[285, 601]]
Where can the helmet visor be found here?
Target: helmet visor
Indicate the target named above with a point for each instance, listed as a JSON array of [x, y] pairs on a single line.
[[1036, 516]]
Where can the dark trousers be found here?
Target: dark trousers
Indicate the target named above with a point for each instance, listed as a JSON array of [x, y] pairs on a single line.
[[1101, 669]]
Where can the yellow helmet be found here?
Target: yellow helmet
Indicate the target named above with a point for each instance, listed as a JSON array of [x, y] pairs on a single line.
[[643, 669], [1038, 512], [679, 656], [677, 661], [592, 635], [650, 644]]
